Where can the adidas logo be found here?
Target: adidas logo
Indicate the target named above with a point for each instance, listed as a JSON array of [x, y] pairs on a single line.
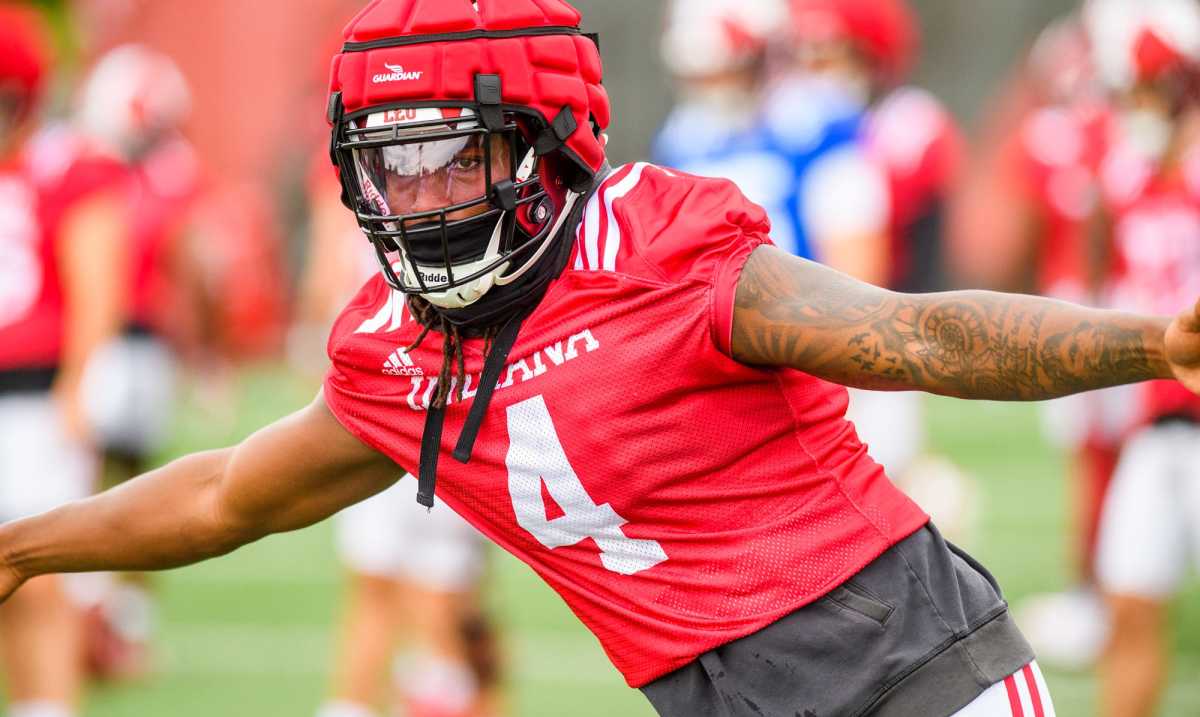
[[401, 364], [395, 73]]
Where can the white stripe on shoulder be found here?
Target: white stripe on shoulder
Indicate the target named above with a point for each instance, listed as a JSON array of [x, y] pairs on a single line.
[[391, 314], [612, 241], [591, 233]]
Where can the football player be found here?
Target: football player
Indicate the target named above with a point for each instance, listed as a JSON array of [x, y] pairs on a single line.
[[724, 123], [1151, 200], [61, 297], [1023, 220], [612, 373], [130, 107]]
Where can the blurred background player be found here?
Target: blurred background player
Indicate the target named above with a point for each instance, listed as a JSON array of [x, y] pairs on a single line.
[[719, 54], [865, 50], [1025, 219], [62, 268], [874, 206], [131, 106], [1150, 203], [414, 577]]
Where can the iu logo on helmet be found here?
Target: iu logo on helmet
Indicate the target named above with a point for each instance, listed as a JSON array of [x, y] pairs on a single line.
[[395, 73]]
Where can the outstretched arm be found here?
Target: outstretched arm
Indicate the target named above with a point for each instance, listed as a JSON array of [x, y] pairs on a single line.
[[289, 475], [969, 344]]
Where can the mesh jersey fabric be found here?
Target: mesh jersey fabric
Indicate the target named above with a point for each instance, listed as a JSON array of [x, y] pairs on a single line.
[[677, 499]]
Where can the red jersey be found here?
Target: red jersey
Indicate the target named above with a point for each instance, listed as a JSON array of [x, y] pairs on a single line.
[[1057, 156], [919, 147], [164, 186], [36, 193], [677, 499], [1156, 242]]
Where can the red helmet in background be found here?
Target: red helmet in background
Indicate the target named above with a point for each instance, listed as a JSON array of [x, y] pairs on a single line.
[[132, 98], [496, 104], [25, 54], [885, 31], [1143, 41], [708, 37]]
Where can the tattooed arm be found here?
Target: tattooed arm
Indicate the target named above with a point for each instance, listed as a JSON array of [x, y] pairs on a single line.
[[970, 344]]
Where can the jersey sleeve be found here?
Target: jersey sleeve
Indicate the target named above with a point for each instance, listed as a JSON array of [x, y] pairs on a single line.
[[689, 228], [354, 389]]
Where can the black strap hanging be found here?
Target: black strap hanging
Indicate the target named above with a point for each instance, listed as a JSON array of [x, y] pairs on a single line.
[[431, 448], [496, 361], [435, 418]]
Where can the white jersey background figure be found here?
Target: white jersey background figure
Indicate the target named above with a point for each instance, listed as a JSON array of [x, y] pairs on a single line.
[[132, 105], [62, 225]]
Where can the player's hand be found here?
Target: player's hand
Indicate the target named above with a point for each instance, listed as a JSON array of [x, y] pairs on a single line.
[[1183, 347]]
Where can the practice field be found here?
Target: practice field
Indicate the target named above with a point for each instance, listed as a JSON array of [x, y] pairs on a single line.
[[249, 635]]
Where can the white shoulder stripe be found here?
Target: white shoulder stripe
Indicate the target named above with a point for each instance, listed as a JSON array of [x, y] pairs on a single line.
[[391, 314], [612, 241], [591, 232]]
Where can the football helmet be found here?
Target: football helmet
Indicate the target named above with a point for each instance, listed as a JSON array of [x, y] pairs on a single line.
[[24, 59], [1148, 56], [1143, 41], [709, 37], [132, 98], [885, 31], [464, 133]]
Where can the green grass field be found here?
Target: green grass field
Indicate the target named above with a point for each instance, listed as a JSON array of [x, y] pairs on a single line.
[[249, 635]]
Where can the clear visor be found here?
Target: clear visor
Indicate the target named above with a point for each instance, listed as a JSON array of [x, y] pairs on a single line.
[[413, 176]]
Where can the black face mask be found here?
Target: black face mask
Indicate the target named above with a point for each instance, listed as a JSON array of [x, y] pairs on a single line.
[[466, 240]]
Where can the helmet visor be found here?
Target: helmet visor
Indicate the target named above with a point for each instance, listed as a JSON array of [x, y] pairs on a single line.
[[425, 171]]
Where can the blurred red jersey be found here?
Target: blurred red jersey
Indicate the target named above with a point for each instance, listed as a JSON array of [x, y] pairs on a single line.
[[677, 499], [1057, 155], [920, 148], [163, 188], [1156, 242], [36, 192]]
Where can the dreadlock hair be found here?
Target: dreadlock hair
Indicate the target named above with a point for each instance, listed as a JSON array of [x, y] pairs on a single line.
[[453, 375]]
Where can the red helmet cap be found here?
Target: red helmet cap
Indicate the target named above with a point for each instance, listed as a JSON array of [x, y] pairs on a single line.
[[885, 30], [24, 49], [707, 37], [1155, 56], [532, 56], [1143, 41]]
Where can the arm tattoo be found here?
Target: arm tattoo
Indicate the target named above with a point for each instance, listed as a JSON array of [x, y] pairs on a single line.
[[968, 344]]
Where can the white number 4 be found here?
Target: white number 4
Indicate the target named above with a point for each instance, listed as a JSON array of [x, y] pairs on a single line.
[[536, 455]]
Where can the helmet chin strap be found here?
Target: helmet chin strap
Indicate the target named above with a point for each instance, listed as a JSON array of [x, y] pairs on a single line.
[[568, 205]]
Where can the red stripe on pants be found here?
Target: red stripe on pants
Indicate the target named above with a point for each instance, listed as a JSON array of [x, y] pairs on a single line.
[[1014, 698], [1034, 693]]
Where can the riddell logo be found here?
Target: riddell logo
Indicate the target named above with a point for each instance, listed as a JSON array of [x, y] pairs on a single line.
[[401, 364], [396, 74]]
